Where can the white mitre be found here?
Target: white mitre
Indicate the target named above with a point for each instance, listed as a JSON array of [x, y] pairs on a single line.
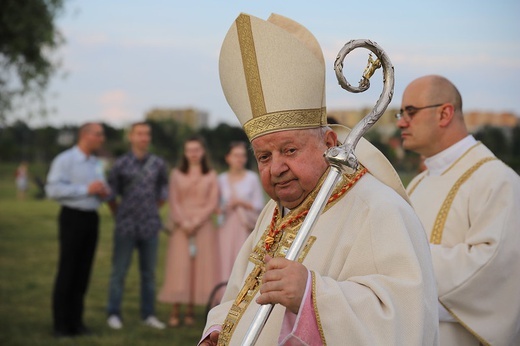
[[273, 77]]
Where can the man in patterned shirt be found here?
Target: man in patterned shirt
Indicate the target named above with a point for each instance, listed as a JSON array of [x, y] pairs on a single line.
[[140, 180]]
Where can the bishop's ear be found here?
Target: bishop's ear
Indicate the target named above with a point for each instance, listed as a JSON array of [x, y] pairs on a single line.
[[331, 139]]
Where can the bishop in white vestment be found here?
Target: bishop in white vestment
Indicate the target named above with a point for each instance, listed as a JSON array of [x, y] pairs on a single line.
[[365, 276]]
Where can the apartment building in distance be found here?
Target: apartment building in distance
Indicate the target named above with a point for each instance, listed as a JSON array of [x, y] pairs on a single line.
[[386, 125], [192, 117], [476, 120]]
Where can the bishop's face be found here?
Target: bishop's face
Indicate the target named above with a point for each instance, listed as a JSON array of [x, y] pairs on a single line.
[[291, 163]]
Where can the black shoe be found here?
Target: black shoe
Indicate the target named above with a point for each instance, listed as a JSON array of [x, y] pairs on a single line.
[[59, 334], [83, 331]]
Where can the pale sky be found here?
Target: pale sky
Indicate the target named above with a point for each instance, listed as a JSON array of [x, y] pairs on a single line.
[[125, 57]]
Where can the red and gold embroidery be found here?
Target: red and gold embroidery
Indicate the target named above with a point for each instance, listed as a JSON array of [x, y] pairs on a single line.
[[275, 241]]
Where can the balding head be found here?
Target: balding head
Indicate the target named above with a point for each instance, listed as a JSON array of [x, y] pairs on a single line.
[[437, 89], [86, 128], [433, 118], [90, 137]]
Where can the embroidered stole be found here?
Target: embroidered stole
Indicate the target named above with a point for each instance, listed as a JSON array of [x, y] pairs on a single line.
[[282, 230], [442, 215]]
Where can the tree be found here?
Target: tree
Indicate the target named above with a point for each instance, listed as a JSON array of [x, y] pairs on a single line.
[[28, 36], [515, 148], [218, 141], [168, 137], [495, 139]]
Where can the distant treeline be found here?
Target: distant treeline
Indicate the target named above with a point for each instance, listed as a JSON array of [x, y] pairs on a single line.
[[40, 145]]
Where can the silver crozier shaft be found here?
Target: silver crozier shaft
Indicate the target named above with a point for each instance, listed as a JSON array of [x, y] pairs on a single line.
[[342, 157], [258, 323]]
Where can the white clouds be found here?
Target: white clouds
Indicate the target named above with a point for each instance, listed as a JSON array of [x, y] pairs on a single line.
[[115, 107], [93, 39], [456, 61], [124, 60]]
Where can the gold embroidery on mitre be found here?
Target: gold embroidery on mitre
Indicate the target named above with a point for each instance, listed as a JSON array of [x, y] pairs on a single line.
[[285, 120], [440, 221], [281, 244], [250, 65]]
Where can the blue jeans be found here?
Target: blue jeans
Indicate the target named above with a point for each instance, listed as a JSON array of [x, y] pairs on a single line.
[[121, 258]]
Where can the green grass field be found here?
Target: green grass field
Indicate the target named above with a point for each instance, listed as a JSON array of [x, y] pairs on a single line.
[[28, 257]]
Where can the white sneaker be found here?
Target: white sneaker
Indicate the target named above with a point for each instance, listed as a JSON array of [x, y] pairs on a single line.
[[153, 322], [114, 322]]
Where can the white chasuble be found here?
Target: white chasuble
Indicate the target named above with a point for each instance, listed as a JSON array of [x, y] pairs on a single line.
[[373, 281], [471, 214]]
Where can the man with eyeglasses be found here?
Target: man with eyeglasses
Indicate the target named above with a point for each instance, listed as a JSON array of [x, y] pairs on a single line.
[[469, 203]]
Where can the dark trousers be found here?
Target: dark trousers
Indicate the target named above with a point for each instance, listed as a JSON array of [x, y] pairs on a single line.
[[78, 234]]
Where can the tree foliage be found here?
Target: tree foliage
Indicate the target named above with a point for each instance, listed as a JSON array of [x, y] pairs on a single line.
[[19, 142], [218, 141], [28, 37], [503, 143]]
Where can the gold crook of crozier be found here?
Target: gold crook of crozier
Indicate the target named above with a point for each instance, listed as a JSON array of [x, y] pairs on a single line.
[[372, 66]]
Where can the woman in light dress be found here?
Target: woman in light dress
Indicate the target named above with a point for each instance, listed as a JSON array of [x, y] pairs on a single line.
[[191, 266], [241, 201]]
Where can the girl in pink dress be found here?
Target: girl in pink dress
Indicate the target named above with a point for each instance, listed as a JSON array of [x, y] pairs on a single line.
[[191, 260], [241, 201]]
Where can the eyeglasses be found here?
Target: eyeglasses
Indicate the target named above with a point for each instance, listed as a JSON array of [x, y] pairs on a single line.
[[409, 111]]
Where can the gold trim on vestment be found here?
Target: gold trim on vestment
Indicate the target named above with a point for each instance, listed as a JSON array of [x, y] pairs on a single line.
[[315, 307], [440, 221], [460, 158], [250, 65], [442, 215], [412, 189], [478, 337], [282, 242]]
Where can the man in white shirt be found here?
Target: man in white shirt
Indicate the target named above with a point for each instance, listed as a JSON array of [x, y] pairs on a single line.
[[469, 203], [76, 181]]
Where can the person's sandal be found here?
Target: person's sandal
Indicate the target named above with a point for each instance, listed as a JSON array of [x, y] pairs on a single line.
[[189, 321], [174, 321]]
